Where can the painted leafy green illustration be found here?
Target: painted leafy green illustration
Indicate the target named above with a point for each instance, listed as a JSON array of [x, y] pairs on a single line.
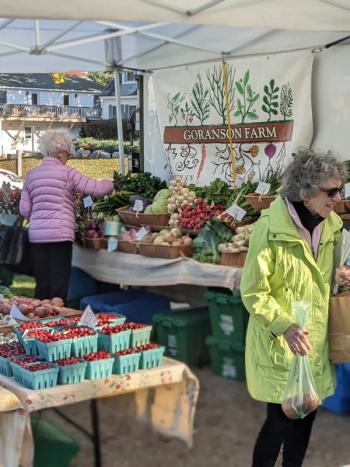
[[200, 100], [286, 101], [173, 105], [187, 113], [217, 95], [270, 99], [246, 100]]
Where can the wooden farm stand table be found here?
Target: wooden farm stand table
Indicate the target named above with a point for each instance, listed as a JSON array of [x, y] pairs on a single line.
[[138, 270], [171, 411]]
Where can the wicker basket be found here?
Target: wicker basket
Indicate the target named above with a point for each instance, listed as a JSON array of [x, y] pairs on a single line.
[[128, 247], [233, 259], [342, 207], [134, 218], [95, 243], [259, 202], [165, 251]]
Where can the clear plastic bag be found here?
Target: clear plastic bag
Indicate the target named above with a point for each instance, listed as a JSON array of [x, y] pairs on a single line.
[[300, 397]]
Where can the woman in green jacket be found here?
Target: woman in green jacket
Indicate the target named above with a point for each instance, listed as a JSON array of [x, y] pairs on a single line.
[[290, 258]]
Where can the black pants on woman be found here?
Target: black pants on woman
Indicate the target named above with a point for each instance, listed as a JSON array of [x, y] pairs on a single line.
[[277, 430], [51, 269]]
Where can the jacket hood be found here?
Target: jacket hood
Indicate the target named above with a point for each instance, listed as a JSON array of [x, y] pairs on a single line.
[[281, 223]]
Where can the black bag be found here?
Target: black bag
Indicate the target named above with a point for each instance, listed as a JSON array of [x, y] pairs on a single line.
[[14, 245]]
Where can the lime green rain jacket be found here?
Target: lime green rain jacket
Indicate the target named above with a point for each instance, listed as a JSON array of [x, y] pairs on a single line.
[[280, 268]]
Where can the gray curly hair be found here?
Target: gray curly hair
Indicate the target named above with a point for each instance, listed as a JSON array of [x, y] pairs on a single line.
[[307, 172], [54, 142]]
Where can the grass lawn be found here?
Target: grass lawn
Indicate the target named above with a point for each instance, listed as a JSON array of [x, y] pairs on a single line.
[[23, 285]]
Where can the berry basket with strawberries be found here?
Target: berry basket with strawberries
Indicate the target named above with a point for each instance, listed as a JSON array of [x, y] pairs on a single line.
[[114, 338], [71, 370], [6, 352], [20, 329], [151, 355], [99, 365], [35, 374], [126, 361], [112, 319], [140, 334], [84, 339], [53, 346]]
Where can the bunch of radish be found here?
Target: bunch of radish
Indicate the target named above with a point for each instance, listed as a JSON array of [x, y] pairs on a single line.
[[193, 217]]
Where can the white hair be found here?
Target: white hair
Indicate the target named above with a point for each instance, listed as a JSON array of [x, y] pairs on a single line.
[[53, 142]]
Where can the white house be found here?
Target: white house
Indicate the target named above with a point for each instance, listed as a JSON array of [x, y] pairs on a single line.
[[128, 95], [32, 103]]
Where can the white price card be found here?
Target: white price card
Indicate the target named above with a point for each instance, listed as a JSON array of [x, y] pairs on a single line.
[[112, 244], [236, 212], [138, 206], [347, 190], [88, 318], [263, 188], [88, 202], [141, 234], [17, 314], [239, 181]]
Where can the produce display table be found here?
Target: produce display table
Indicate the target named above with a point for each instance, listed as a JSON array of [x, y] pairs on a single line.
[[138, 270], [171, 411]]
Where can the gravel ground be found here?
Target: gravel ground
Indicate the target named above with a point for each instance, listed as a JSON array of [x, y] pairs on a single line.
[[226, 425]]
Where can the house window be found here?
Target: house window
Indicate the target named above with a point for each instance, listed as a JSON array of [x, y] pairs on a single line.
[[3, 97], [65, 99], [112, 112], [132, 109], [128, 76], [34, 98], [27, 132]]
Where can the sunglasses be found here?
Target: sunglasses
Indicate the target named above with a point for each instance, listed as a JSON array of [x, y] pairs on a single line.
[[331, 192]]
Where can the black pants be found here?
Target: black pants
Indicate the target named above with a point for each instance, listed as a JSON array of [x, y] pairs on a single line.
[[51, 268], [277, 430]]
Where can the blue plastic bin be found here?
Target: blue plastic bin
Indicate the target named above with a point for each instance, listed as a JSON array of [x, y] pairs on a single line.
[[136, 305], [80, 284], [339, 402]]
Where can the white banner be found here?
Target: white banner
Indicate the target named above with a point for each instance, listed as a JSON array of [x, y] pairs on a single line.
[[269, 99]]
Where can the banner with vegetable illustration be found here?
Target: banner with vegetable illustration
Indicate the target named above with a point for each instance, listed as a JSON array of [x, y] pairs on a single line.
[[269, 99]]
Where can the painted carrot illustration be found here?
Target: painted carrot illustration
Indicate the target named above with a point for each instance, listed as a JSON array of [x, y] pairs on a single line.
[[202, 163]]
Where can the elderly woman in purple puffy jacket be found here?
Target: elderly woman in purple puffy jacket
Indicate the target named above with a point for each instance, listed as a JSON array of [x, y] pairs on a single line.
[[48, 202]]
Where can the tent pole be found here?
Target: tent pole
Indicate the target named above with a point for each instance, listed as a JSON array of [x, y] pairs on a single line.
[[119, 122]]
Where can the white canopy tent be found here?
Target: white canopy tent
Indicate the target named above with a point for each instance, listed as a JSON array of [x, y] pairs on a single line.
[[149, 35]]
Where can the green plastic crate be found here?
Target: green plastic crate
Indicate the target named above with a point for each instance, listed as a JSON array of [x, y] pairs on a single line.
[[183, 334], [225, 359], [228, 318]]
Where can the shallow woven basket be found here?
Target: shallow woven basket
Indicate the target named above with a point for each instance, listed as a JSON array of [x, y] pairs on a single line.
[[233, 259], [134, 218], [165, 251], [95, 243], [342, 207], [259, 202], [127, 247]]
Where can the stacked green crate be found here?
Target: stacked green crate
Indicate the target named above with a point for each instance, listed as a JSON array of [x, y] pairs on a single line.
[[229, 320], [183, 334]]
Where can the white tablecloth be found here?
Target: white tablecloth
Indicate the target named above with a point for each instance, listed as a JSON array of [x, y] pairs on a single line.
[[138, 270], [171, 411]]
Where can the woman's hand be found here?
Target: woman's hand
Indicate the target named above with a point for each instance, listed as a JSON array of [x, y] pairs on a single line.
[[342, 275], [297, 340]]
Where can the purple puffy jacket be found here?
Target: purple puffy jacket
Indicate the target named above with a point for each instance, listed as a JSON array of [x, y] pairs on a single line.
[[48, 200]]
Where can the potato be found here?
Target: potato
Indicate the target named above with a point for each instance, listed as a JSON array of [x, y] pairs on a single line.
[[41, 311], [57, 301]]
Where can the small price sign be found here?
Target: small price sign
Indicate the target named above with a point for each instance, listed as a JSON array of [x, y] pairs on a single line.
[[138, 206], [236, 212], [88, 202], [112, 244], [263, 188], [16, 313], [88, 318], [141, 234], [347, 190]]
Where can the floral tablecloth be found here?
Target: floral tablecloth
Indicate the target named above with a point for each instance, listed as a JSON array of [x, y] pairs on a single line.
[[171, 411], [138, 270]]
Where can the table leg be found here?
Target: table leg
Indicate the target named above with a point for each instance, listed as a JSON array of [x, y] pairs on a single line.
[[96, 432]]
